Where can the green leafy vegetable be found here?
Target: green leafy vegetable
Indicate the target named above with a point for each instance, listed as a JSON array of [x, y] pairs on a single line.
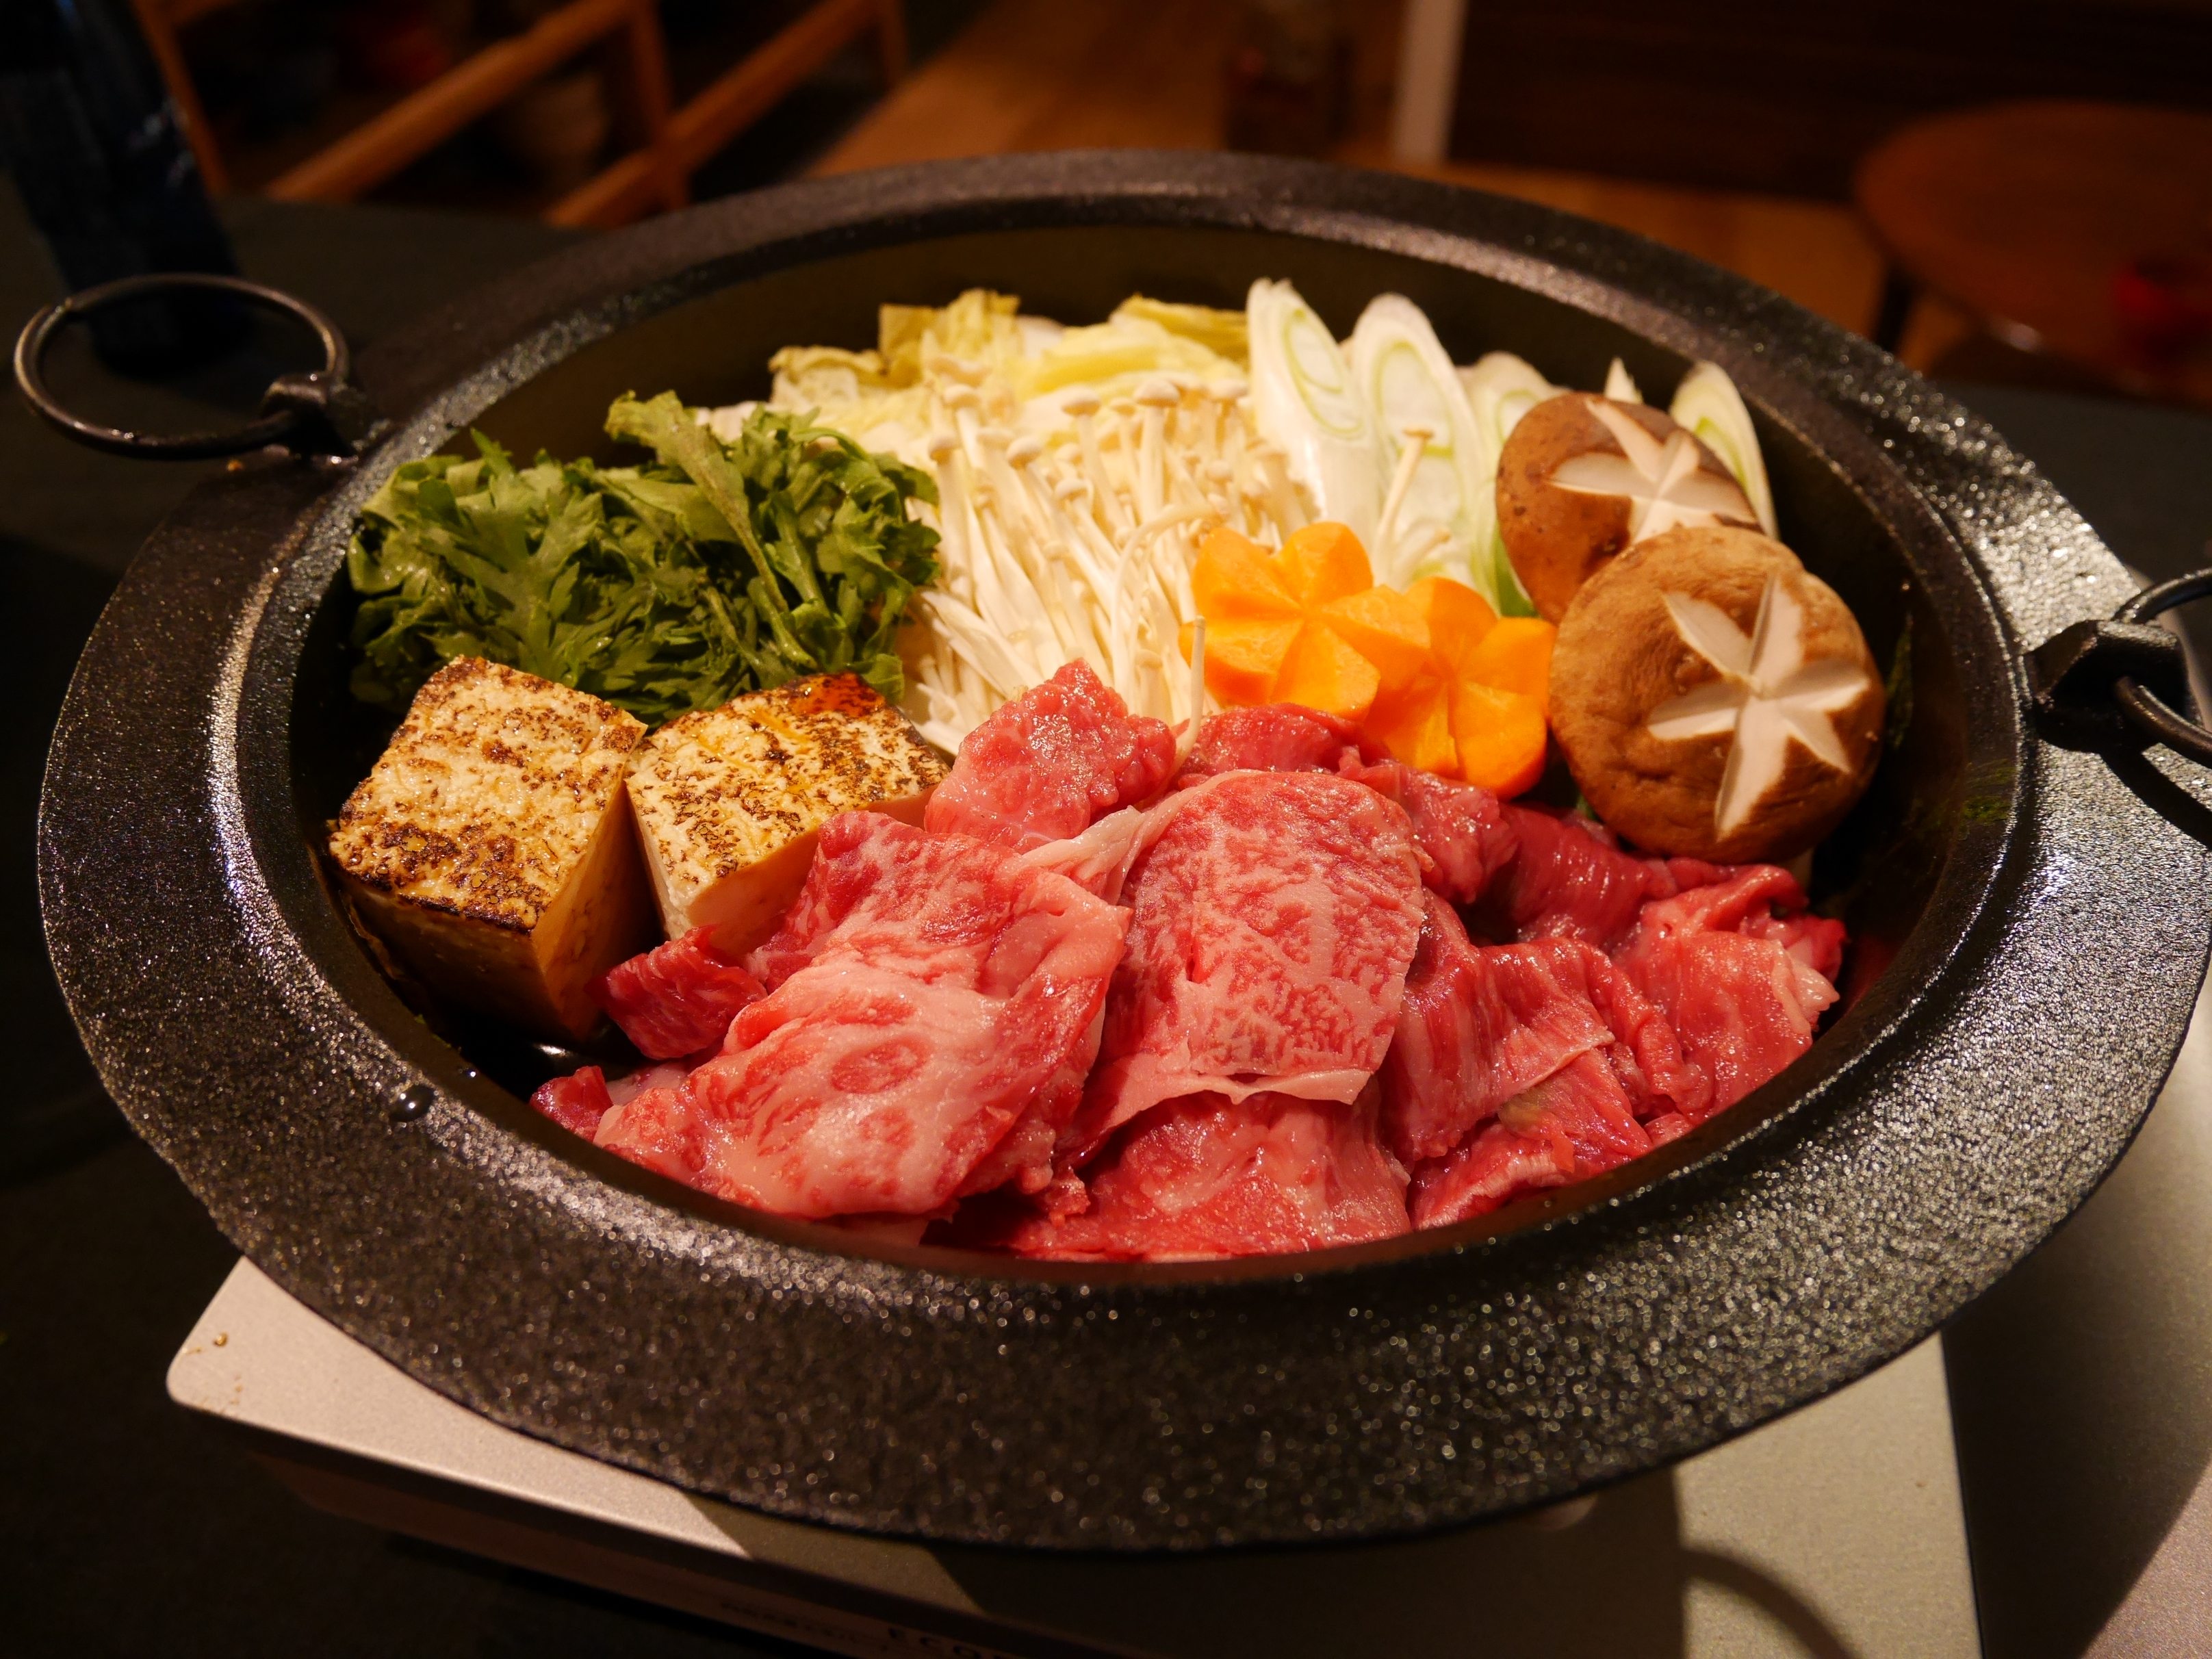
[[715, 570]]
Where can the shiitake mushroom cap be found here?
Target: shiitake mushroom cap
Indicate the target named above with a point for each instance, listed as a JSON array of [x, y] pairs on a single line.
[[1556, 536], [1622, 656]]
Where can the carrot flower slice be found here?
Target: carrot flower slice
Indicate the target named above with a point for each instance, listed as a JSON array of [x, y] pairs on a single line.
[[1516, 656], [1306, 624], [1235, 579], [1323, 561], [1323, 672], [1432, 674], [1475, 708], [1383, 626], [1414, 725], [1244, 659], [1500, 737], [1459, 618]]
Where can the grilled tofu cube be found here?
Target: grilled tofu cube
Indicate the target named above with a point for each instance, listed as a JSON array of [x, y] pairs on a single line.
[[492, 848], [729, 800]]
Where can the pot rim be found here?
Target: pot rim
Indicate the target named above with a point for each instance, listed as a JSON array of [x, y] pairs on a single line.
[[1925, 467]]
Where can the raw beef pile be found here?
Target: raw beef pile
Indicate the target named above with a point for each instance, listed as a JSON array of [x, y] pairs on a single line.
[[1280, 996]]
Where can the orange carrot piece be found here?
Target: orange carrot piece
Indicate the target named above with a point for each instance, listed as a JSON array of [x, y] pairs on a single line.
[[1244, 657], [1516, 656], [1414, 725], [1458, 618], [1383, 626], [1323, 672], [1323, 561], [1501, 737], [1235, 577]]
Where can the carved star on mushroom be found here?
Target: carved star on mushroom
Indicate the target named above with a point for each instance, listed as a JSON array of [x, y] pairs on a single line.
[[1666, 483], [1767, 697]]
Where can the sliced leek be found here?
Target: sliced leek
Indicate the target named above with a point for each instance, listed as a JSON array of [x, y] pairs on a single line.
[[1437, 514], [1308, 404], [1708, 404], [1500, 389]]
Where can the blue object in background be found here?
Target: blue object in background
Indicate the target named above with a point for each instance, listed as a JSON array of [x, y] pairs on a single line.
[[101, 159]]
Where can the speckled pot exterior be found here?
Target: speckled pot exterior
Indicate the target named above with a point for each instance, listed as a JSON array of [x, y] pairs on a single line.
[[1995, 1058]]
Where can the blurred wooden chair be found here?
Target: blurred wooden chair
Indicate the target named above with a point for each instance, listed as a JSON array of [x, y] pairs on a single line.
[[2032, 219], [666, 144]]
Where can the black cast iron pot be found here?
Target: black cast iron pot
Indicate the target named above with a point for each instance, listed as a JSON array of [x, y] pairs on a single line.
[[2030, 926]]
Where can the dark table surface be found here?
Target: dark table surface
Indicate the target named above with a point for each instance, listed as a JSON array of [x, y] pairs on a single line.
[[126, 1526]]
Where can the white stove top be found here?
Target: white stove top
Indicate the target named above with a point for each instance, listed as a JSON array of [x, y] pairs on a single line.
[[1833, 1532]]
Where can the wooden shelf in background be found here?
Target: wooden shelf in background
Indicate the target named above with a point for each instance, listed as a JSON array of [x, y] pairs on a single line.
[[666, 143], [472, 89], [731, 103]]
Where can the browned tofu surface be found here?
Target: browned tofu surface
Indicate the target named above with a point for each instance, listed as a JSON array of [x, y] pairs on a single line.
[[492, 846], [729, 801]]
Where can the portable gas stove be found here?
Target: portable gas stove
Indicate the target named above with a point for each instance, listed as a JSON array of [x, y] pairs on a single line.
[[1836, 1530]]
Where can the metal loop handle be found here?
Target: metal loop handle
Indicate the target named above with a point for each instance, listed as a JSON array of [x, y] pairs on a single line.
[[2144, 707], [2096, 680], [289, 418]]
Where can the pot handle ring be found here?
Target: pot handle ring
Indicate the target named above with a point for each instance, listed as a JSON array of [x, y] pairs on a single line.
[[318, 413], [2101, 679]]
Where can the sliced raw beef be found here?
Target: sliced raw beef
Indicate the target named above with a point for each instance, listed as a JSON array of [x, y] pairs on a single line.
[[1484, 1024], [1568, 878], [1023, 1159], [1048, 764], [866, 891], [576, 1102], [1646, 1056], [1575, 1124], [1276, 737], [664, 1129], [1743, 988], [665, 1075], [679, 998], [1458, 828], [1205, 1176], [1098, 860], [1273, 918], [1740, 895], [1461, 828], [931, 991], [1816, 941]]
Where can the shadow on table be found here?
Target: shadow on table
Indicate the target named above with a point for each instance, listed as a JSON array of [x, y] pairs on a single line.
[[2080, 1403], [1613, 1583], [2079, 1394]]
